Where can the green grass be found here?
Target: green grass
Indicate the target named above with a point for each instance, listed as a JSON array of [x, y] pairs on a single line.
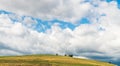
[[48, 60]]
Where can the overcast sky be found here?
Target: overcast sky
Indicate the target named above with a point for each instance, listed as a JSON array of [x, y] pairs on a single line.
[[85, 28]]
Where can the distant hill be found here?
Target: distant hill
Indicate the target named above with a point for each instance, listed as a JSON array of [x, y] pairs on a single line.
[[48, 60]]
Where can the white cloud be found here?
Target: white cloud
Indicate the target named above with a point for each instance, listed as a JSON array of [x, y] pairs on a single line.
[[29, 22], [8, 52], [68, 10]]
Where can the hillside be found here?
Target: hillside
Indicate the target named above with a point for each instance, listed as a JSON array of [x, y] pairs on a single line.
[[48, 60]]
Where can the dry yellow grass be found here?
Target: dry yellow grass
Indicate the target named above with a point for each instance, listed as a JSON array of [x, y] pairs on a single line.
[[48, 60]]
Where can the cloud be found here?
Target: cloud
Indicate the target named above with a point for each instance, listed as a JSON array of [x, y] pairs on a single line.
[[67, 10], [98, 40]]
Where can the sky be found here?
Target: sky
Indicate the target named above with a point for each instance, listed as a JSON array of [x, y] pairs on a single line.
[[84, 28]]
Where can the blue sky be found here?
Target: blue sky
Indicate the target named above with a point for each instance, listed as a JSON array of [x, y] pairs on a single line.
[[88, 29], [47, 25], [118, 2]]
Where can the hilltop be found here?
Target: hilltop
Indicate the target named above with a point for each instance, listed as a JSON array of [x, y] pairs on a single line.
[[48, 60]]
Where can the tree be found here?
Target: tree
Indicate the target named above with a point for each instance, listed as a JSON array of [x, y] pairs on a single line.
[[65, 55], [70, 55], [56, 54]]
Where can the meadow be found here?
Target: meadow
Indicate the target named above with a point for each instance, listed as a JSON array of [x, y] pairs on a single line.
[[48, 60]]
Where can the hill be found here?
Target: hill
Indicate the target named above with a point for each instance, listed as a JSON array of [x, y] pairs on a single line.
[[48, 60]]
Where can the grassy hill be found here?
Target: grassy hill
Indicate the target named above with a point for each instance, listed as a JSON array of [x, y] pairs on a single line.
[[48, 60]]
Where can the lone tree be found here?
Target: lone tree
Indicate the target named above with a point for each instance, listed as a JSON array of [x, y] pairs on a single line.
[[70, 55], [110, 62], [65, 55], [56, 54]]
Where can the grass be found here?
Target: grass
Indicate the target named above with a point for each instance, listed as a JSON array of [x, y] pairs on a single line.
[[48, 60]]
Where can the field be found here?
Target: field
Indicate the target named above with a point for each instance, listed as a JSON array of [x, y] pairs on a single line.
[[48, 60]]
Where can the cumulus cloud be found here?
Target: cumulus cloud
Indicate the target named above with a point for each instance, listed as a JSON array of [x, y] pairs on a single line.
[[67, 10], [98, 39]]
